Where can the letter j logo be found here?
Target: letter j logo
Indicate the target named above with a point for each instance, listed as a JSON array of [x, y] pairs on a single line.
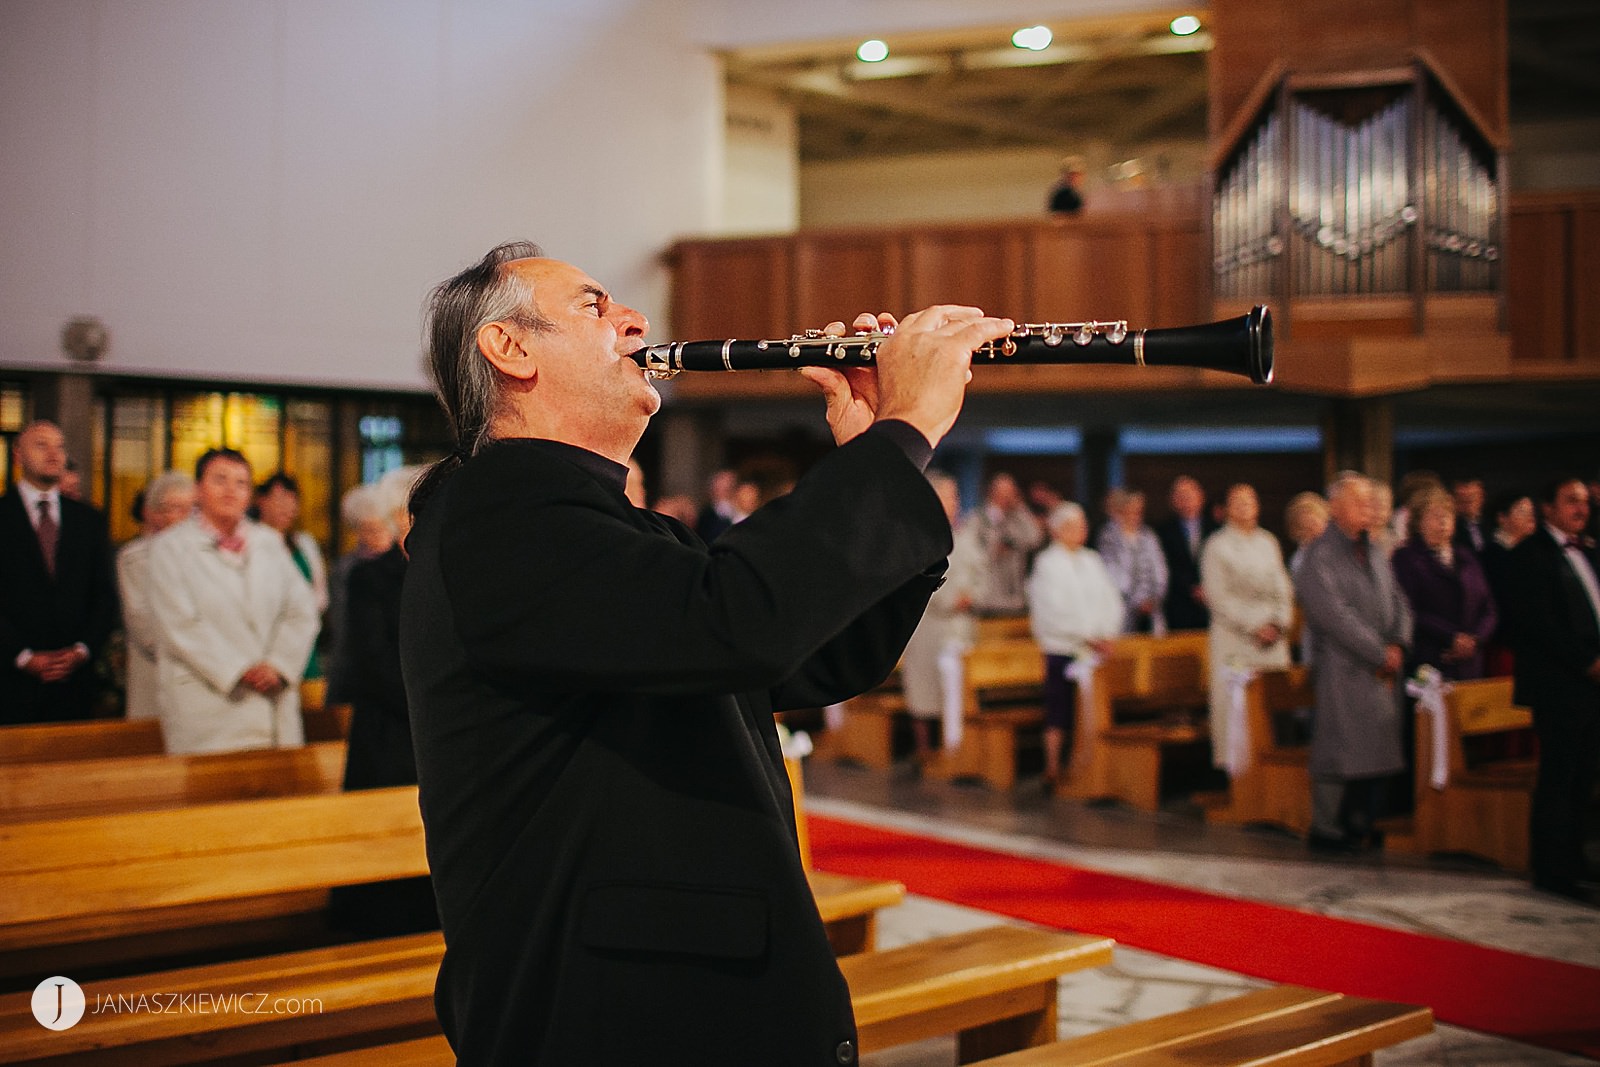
[[58, 1003]]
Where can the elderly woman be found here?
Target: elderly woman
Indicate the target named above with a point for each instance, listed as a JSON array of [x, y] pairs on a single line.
[[1132, 553], [380, 752], [278, 508], [931, 667], [1075, 609], [1252, 603], [168, 499], [368, 517], [236, 621], [1444, 583]]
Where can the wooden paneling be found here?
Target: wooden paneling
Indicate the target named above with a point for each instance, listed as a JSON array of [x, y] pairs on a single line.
[[840, 275], [981, 266], [1465, 39], [734, 289], [1536, 268], [1584, 286], [1179, 274], [1091, 272]]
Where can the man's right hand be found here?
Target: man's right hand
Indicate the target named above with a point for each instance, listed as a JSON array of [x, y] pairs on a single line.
[[923, 370]]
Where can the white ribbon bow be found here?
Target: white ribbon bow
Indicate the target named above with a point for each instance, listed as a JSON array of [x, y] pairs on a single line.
[[795, 744], [1429, 688], [1081, 671], [1236, 744], [952, 663]]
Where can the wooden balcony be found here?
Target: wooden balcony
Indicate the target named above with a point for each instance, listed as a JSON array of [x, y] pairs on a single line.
[[1147, 259]]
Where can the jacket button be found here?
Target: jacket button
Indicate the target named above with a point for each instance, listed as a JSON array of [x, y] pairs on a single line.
[[846, 1052]]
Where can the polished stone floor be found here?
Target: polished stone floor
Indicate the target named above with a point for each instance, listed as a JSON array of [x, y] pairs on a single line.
[[1447, 898]]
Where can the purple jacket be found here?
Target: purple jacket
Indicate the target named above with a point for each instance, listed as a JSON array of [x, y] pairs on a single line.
[[1445, 601]]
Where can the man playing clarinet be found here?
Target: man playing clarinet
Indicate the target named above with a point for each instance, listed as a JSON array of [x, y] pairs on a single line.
[[610, 827]]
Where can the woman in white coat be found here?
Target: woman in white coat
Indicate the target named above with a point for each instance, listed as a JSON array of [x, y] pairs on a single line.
[[168, 499], [1075, 609], [236, 621], [1252, 604]]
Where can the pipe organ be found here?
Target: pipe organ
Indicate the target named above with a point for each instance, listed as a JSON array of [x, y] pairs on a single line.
[[1371, 186]]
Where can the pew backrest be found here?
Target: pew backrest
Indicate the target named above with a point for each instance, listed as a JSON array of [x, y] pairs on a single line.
[[98, 739]]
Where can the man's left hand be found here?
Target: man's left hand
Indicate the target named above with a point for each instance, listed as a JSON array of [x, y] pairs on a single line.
[[851, 392]]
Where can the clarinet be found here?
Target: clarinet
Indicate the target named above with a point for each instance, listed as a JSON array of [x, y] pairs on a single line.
[[1241, 345]]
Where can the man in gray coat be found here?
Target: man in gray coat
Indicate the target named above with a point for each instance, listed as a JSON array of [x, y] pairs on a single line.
[[1361, 624]]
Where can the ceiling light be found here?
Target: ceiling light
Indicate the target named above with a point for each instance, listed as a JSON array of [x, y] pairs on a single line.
[[1033, 38], [1184, 25], [873, 51]]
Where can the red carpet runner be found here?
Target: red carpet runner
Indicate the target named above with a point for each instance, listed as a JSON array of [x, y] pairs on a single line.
[[1543, 1002]]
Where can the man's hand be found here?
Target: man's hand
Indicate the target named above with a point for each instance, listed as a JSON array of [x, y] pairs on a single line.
[[1465, 646], [55, 664], [264, 679], [1594, 671], [1268, 635], [1102, 647], [1394, 657], [921, 374]]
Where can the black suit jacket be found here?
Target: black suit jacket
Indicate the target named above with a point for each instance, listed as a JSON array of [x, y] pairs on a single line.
[[610, 827], [379, 752], [1553, 629], [1181, 609], [45, 613]]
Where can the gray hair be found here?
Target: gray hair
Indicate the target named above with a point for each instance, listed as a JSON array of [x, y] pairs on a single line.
[[393, 490], [458, 308], [361, 504], [164, 484], [1064, 513], [465, 383], [1344, 481]]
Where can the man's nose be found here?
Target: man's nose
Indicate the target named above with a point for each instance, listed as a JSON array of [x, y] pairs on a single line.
[[631, 323]]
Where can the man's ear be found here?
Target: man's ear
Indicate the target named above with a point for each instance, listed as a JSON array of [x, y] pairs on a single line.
[[505, 352]]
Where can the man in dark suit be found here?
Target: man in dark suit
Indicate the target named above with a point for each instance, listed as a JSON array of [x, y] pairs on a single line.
[[610, 829], [58, 591], [1471, 533], [1181, 538], [1554, 604]]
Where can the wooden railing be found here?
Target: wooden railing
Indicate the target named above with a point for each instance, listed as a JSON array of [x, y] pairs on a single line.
[[1150, 266]]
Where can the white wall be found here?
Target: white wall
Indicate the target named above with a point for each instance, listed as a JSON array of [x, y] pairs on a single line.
[[761, 152], [950, 186], [266, 189]]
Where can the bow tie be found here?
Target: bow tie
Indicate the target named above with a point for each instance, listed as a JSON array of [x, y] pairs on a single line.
[[1579, 543]]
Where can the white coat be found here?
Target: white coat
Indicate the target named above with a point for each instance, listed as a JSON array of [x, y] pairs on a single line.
[[218, 615], [142, 690], [1072, 600], [1247, 587]]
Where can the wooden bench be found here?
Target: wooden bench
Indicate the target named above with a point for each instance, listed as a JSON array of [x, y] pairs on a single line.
[[1484, 807], [1282, 1026], [1148, 699], [97, 739], [995, 987], [1002, 700], [106, 892], [1275, 790], [115, 785], [873, 722], [111, 892]]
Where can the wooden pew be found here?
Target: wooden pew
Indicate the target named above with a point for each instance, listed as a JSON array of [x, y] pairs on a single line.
[[109, 892], [872, 721], [97, 739], [1276, 788], [1283, 1025], [1148, 699], [1484, 806], [115, 785], [1002, 700], [995, 987]]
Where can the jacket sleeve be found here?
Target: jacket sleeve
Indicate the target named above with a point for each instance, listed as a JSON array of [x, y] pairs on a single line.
[[133, 579], [569, 592], [294, 631]]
